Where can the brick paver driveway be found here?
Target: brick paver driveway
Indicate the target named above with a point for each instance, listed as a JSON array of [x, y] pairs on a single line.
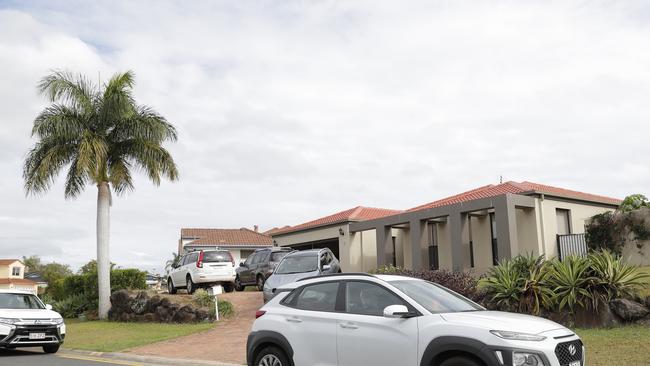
[[226, 342]]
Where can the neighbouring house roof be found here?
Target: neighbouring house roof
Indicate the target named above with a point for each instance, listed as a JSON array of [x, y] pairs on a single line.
[[6, 262], [225, 237], [525, 188], [358, 213], [275, 230], [16, 281]]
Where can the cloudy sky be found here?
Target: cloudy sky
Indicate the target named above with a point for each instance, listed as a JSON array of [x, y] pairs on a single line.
[[290, 110]]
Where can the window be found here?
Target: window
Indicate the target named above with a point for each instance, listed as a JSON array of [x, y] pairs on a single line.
[[257, 258], [298, 264], [19, 301], [319, 297], [217, 257], [434, 298], [15, 271], [277, 256], [250, 259], [192, 258], [563, 221], [495, 246], [365, 298]]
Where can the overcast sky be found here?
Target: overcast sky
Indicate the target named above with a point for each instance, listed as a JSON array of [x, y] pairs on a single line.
[[291, 110]]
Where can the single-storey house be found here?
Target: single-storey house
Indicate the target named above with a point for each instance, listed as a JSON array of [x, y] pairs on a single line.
[[239, 242], [472, 230], [12, 272]]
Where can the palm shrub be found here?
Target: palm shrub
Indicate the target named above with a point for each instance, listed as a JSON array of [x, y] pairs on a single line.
[[570, 281], [611, 278], [519, 285]]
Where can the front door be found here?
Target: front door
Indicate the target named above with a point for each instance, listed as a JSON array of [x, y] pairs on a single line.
[[366, 337]]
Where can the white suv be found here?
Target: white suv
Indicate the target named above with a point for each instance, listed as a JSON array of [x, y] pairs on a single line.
[[360, 319], [26, 322], [203, 268]]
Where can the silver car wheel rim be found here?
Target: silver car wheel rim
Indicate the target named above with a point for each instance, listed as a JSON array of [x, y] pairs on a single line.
[[270, 360]]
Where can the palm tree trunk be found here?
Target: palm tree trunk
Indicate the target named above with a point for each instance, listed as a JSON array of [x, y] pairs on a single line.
[[103, 260]]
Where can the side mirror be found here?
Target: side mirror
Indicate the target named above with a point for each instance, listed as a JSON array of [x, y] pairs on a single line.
[[48, 306], [397, 311], [326, 267]]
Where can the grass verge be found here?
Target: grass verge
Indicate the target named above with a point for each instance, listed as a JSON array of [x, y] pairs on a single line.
[[113, 337], [616, 346]]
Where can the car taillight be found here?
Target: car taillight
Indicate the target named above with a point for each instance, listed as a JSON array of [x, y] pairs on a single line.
[[259, 313], [199, 262]]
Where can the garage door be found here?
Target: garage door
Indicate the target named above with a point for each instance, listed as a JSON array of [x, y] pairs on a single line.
[[332, 244]]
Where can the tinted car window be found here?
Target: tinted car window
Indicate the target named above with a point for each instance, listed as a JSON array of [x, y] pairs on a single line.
[[182, 261], [434, 298], [298, 264], [366, 298], [265, 257], [216, 257], [277, 256], [250, 259], [19, 301], [320, 297], [256, 258], [192, 258]]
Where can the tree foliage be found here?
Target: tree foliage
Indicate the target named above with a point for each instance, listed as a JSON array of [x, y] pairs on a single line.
[[99, 133]]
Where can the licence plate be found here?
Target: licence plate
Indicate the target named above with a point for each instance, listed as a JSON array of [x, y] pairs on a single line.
[[36, 335], [575, 363]]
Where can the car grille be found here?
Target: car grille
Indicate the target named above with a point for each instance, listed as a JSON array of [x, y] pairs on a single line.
[[20, 335], [568, 352]]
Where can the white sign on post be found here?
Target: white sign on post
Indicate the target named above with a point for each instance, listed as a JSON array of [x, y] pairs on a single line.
[[216, 290]]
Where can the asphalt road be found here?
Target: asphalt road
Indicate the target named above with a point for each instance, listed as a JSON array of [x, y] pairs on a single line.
[[28, 357]]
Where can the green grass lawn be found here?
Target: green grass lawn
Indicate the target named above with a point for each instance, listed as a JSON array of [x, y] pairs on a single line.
[[112, 336], [617, 346]]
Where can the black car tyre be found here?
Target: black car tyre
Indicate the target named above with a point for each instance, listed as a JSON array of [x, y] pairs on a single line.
[[460, 361], [260, 282], [228, 287], [170, 287], [190, 285], [271, 356], [238, 285], [54, 348]]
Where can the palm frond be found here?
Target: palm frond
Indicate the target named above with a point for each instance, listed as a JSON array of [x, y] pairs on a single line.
[[63, 86]]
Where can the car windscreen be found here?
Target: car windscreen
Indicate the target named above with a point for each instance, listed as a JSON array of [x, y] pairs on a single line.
[[435, 298], [19, 301], [277, 256], [298, 264], [216, 257]]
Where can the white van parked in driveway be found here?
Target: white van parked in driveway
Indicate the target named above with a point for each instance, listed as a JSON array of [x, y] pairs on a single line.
[[203, 269], [26, 322]]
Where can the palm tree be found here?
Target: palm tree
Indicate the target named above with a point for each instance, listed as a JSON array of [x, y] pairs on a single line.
[[101, 135], [170, 263]]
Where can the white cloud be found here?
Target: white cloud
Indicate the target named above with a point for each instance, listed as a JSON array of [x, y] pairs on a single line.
[[291, 110]]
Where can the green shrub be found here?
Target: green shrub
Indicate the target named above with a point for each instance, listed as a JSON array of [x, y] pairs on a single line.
[[202, 298], [86, 284], [73, 306], [519, 284], [226, 309], [612, 278], [570, 281]]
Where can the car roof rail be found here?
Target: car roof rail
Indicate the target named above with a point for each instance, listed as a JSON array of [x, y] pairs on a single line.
[[337, 275]]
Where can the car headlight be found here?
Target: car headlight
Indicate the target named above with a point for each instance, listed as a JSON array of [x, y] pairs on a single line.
[[8, 321], [526, 359], [58, 321], [516, 336]]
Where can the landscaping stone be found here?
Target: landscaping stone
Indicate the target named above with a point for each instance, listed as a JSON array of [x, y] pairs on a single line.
[[628, 310], [142, 308], [647, 302]]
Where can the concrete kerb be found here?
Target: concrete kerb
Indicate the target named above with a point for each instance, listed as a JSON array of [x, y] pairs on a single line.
[[151, 360]]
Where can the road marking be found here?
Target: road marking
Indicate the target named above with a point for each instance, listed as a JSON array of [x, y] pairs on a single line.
[[103, 360]]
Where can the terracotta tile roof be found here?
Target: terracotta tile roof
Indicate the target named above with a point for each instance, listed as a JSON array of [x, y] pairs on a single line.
[[226, 237], [6, 262], [275, 229], [492, 190], [16, 281], [358, 213]]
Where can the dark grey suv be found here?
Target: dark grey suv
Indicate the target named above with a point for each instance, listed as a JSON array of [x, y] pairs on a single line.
[[258, 267]]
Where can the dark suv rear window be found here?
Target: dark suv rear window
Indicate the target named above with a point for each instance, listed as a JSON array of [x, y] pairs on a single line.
[[216, 257], [277, 256]]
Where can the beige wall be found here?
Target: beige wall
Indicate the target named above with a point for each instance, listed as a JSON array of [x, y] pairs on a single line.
[[579, 213], [482, 240], [6, 271], [527, 232], [363, 251]]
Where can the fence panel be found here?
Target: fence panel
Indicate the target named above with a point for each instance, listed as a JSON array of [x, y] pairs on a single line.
[[571, 244]]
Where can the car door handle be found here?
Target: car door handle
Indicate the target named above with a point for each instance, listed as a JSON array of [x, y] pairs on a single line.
[[294, 319], [348, 326]]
